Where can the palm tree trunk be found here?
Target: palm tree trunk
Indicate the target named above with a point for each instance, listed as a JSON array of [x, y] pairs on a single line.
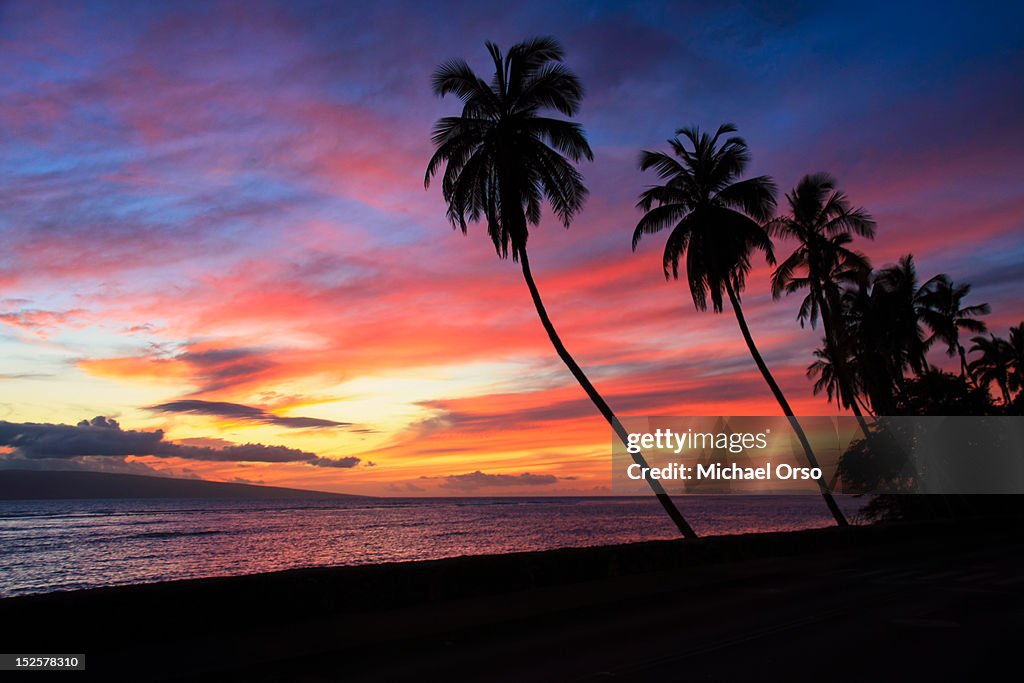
[[864, 407], [783, 403], [846, 392], [845, 385], [666, 502], [963, 362]]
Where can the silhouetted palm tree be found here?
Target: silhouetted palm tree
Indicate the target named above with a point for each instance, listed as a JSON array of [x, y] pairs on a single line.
[[1015, 381], [715, 220], [946, 315], [839, 266], [905, 306], [994, 364], [866, 347], [504, 156], [883, 315], [823, 371], [823, 223]]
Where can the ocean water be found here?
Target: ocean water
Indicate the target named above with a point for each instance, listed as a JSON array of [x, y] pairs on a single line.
[[76, 544]]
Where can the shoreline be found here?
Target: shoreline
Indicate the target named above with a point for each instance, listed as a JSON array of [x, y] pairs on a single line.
[[294, 617], [193, 539]]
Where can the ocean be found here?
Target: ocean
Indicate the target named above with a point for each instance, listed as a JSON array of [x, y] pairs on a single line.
[[76, 544]]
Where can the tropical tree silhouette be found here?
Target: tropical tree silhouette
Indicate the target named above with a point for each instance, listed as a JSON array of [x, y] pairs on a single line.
[[822, 223], [883, 316], [994, 364], [946, 315], [823, 372], [715, 220], [504, 155], [1015, 380], [906, 306]]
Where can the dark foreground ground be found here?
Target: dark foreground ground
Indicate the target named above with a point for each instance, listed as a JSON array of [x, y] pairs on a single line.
[[942, 601]]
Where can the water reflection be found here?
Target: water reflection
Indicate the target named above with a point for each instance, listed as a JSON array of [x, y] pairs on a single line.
[[61, 545]]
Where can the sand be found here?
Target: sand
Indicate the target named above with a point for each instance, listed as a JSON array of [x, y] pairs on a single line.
[[939, 600]]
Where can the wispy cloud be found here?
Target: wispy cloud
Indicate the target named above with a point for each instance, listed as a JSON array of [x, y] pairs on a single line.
[[39, 322], [237, 411], [473, 481]]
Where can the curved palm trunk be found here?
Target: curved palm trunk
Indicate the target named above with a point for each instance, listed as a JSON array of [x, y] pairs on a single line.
[[863, 406], [829, 305], [1004, 387], [666, 502], [783, 403], [963, 364], [847, 394]]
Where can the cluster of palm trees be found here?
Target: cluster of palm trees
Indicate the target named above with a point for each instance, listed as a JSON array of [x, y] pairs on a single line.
[[1001, 362], [880, 329], [505, 153]]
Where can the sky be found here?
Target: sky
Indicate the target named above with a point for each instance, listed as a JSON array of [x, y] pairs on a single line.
[[219, 260]]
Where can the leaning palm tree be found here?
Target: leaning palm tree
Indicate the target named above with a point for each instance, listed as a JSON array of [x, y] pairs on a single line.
[[504, 155], [993, 367], [946, 315], [823, 223], [715, 220]]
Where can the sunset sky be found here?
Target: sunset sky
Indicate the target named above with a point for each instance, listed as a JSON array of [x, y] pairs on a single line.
[[214, 224]]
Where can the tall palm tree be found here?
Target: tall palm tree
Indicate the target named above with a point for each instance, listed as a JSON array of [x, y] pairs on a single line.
[[823, 223], [883, 315], [905, 306], [946, 315], [715, 220], [873, 358], [994, 364], [504, 155]]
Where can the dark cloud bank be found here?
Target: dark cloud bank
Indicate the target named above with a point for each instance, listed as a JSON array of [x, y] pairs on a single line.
[[104, 437]]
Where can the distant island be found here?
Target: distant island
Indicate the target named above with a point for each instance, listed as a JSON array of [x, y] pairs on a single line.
[[54, 485]]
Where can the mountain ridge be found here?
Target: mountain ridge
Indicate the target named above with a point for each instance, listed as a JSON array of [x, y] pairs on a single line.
[[79, 484]]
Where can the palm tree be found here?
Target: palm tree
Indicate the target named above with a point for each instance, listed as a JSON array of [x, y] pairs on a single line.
[[905, 306], [1016, 348], [822, 223], [881, 316], [503, 156], [823, 371], [993, 365], [946, 316], [715, 220], [868, 366], [837, 266]]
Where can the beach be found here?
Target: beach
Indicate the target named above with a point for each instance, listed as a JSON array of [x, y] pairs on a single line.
[[939, 600], [76, 544]]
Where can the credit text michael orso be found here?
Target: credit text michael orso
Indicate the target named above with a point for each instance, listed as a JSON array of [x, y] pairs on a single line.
[[733, 442]]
